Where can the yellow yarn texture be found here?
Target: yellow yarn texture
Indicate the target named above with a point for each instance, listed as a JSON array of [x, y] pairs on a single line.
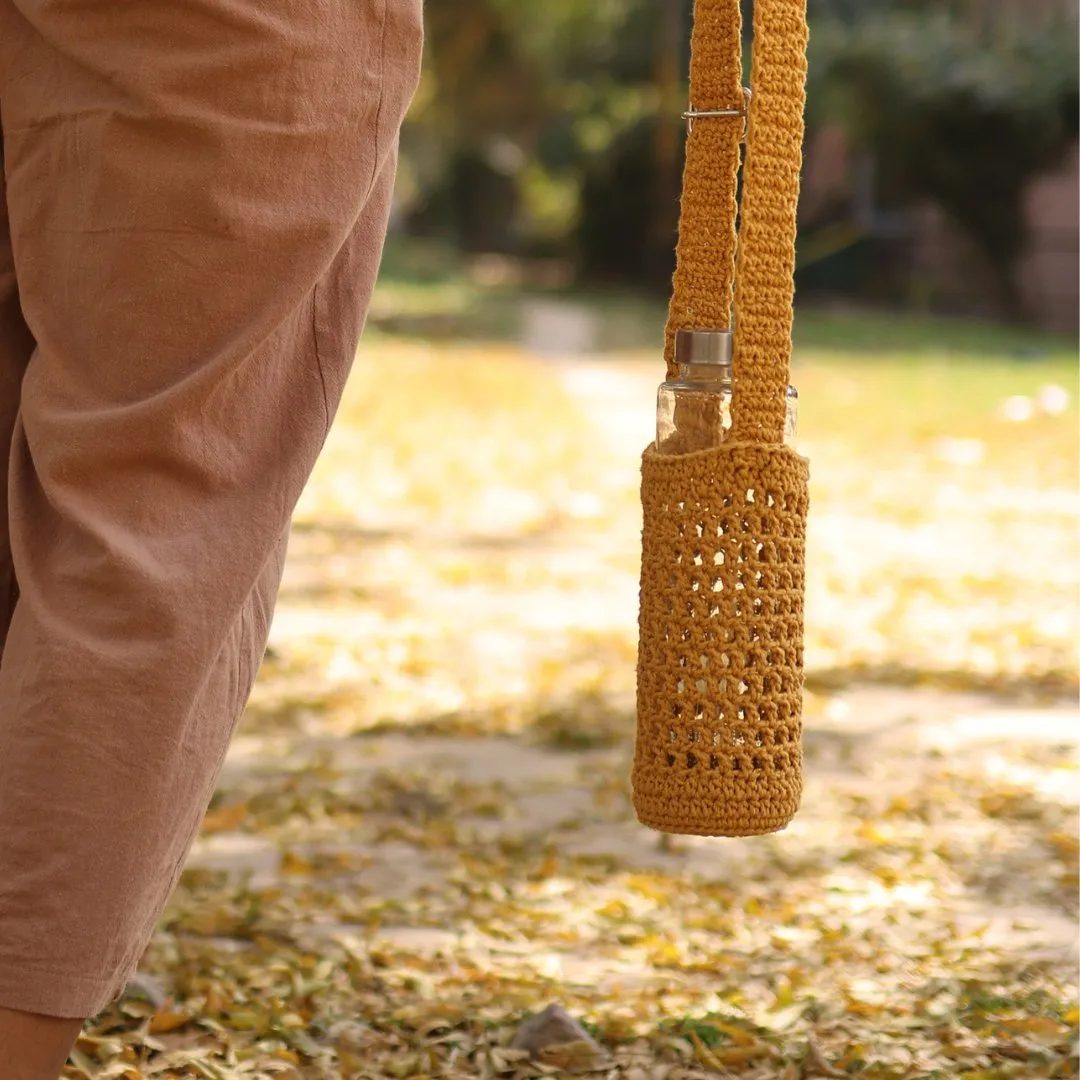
[[705, 257], [720, 656]]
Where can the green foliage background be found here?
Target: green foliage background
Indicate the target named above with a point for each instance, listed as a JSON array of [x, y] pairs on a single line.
[[553, 129]]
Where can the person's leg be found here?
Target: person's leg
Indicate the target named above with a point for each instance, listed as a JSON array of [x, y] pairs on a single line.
[[34, 1047], [31, 1047], [198, 196], [16, 347]]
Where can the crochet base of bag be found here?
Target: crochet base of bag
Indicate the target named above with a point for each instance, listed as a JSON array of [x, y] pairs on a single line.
[[720, 658]]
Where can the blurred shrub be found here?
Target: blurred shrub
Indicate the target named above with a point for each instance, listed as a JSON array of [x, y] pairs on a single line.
[[525, 106], [961, 104], [553, 128]]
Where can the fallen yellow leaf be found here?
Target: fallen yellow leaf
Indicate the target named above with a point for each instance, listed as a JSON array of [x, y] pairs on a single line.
[[291, 863], [572, 1055], [704, 1054], [167, 1019], [741, 1037], [226, 819], [741, 1055]]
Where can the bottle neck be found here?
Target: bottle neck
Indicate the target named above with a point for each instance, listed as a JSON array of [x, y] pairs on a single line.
[[718, 375]]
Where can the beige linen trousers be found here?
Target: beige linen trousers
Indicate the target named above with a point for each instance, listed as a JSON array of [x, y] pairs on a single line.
[[194, 204]]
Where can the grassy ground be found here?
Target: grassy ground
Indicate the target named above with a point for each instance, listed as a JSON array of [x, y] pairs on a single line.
[[423, 833]]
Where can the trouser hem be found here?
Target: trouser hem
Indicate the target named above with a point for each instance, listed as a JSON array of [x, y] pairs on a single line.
[[24, 988]]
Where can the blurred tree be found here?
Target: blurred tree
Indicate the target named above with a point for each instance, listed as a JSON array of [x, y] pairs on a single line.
[[477, 112], [553, 128], [520, 100], [960, 103]]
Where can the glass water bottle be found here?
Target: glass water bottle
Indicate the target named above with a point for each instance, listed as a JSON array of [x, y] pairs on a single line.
[[693, 410]]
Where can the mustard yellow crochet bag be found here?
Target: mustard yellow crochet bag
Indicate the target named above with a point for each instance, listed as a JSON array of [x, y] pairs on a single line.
[[720, 662]]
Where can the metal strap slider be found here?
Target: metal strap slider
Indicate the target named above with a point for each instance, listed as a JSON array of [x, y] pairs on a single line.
[[693, 114]]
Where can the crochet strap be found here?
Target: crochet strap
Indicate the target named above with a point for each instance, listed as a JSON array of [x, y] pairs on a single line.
[[765, 265], [705, 256]]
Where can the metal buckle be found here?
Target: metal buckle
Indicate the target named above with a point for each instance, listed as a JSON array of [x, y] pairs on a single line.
[[693, 114]]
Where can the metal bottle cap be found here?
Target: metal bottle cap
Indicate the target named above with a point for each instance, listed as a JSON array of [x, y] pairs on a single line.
[[703, 347]]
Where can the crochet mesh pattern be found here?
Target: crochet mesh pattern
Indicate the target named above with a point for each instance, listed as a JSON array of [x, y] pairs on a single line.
[[720, 651], [720, 657]]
